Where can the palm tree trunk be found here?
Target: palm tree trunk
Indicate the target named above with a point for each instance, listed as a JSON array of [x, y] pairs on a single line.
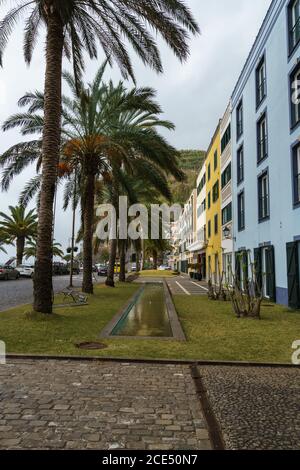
[[88, 220], [50, 150], [111, 263], [113, 243], [138, 261], [155, 260], [20, 249], [122, 275]]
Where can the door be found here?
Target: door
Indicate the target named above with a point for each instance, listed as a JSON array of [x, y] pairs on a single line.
[[293, 274]]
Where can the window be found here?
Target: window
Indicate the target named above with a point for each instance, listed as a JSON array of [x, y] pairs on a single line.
[[216, 224], [295, 95], [263, 197], [227, 214], [294, 24], [208, 200], [216, 160], [239, 120], [240, 165], [208, 172], [226, 176], [201, 184], [261, 84], [209, 229], [216, 192], [262, 138], [296, 174], [241, 211], [201, 208], [226, 138]]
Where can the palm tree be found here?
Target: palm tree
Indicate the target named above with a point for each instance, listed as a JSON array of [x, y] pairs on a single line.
[[144, 188], [111, 129], [3, 241], [19, 227], [72, 27], [154, 248], [30, 249]]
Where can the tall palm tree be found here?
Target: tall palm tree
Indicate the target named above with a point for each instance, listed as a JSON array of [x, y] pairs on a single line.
[[110, 129], [72, 27], [3, 241], [19, 227]]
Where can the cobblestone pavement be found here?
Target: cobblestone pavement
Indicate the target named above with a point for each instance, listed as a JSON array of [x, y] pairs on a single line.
[[257, 408], [99, 405]]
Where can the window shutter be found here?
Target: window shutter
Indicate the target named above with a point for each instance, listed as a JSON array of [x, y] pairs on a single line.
[[293, 274], [238, 268], [258, 268], [271, 277]]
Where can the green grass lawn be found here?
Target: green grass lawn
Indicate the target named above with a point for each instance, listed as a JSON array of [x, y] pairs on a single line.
[[212, 330], [153, 273]]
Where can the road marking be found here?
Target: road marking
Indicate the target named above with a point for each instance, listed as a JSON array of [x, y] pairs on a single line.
[[198, 285], [184, 290]]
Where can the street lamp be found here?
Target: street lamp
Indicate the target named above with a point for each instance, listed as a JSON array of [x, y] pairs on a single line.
[[226, 232]]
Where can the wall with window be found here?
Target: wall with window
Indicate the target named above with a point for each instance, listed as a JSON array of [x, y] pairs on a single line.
[[226, 190], [213, 212], [201, 206], [265, 138]]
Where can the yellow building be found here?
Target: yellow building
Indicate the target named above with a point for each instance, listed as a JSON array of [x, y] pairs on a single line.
[[213, 208]]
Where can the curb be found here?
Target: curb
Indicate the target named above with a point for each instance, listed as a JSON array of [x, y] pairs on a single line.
[[189, 362]]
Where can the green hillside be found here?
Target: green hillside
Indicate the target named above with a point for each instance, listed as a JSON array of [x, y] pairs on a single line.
[[191, 162]]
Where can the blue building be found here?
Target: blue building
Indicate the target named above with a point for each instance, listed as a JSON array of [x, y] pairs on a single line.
[[266, 154]]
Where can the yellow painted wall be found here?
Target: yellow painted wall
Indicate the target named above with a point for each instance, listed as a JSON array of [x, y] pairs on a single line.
[[214, 242]]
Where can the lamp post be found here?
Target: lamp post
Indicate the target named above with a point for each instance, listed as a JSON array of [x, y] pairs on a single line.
[[73, 231]]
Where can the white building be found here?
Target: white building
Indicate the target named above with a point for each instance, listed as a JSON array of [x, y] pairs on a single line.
[[226, 194], [266, 154]]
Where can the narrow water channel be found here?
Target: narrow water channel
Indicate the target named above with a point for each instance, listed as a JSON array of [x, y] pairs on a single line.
[[148, 316]]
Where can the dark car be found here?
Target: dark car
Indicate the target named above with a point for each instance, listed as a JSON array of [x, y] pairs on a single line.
[[60, 269], [102, 271], [8, 272]]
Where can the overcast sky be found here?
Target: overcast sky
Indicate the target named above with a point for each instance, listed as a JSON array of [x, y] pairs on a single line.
[[193, 95]]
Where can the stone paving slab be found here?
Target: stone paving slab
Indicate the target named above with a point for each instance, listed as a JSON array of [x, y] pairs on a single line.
[[256, 407], [61, 404]]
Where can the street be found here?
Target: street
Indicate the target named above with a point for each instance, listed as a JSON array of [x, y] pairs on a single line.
[[13, 293]]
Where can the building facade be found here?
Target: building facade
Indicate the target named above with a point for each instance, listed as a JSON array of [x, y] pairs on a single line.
[[266, 154], [213, 209], [226, 195]]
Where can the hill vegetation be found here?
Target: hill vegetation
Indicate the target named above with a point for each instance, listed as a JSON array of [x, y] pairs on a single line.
[[191, 163]]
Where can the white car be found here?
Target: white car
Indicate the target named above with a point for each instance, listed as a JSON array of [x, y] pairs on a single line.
[[164, 268], [26, 270]]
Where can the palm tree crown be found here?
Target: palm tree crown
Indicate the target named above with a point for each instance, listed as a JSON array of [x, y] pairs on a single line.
[[18, 227], [84, 23]]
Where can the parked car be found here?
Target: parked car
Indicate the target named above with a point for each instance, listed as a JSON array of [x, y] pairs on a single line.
[[164, 268], [60, 269], [102, 271], [133, 267], [25, 270], [8, 272]]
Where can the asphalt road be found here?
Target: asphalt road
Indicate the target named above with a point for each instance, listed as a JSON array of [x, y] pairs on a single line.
[[13, 293]]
